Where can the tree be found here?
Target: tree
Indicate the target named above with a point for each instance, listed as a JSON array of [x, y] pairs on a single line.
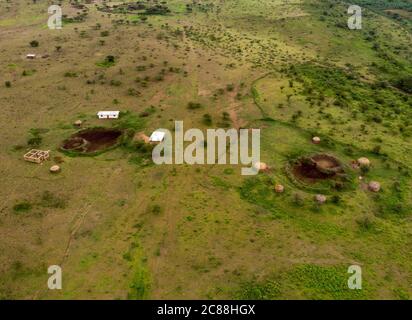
[[34, 43], [405, 84], [110, 59]]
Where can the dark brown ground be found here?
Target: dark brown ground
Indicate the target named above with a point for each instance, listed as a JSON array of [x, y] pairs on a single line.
[[91, 140], [318, 167]]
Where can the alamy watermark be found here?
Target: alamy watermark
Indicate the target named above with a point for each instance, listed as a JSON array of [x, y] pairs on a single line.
[[355, 21], [55, 280], [355, 280], [241, 150], [55, 20]]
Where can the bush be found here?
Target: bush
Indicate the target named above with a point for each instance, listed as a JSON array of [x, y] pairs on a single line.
[[267, 290], [207, 119], [405, 84], [7, 84], [155, 209], [376, 150], [225, 116], [23, 206], [115, 83], [35, 141], [298, 199], [34, 43], [107, 62], [49, 200], [364, 170], [110, 59], [336, 199], [194, 105], [26, 73], [70, 74]]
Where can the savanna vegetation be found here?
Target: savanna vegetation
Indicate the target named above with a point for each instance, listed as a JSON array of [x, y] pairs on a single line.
[[122, 227]]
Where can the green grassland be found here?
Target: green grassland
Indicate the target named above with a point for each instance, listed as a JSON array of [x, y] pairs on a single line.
[[123, 228]]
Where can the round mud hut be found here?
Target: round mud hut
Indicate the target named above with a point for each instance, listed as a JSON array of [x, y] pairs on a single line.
[[279, 188], [316, 140], [55, 169], [374, 186], [320, 198], [78, 123], [261, 166], [364, 162]]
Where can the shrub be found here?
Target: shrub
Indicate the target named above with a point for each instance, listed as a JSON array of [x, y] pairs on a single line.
[[7, 84], [34, 43], [155, 209], [194, 105], [115, 83], [298, 199], [252, 290], [364, 170], [107, 62], [35, 141], [28, 72], [23, 206], [336, 199], [133, 92], [225, 116], [376, 150], [405, 84], [207, 119], [49, 200], [70, 74]]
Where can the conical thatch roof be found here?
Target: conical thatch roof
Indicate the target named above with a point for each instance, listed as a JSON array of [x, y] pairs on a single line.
[[316, 140], [54, 169], [374, 186], [320, 198], [364, 162], [261, 166]]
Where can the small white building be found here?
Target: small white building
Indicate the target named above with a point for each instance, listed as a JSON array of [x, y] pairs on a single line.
[[157, 136], [31, 56], [108, 114]]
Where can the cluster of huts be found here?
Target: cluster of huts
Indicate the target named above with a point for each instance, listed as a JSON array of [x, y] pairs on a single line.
[[40, 156], [372, 186]]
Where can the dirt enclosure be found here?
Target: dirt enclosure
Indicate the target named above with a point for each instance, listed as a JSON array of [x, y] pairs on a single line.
[[318, 167], [92, 140]]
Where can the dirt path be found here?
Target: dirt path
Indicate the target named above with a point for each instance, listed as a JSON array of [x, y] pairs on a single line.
[[234, 107]]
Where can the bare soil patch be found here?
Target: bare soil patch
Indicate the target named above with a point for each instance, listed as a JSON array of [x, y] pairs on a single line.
[[92, 140], [318, 167]]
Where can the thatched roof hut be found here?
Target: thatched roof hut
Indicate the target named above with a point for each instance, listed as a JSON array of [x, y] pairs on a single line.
[[55, 169], [279, 188], [316, 140], [78, 123], [364, 162], [320, 198], [374, 186], [261, 166]]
